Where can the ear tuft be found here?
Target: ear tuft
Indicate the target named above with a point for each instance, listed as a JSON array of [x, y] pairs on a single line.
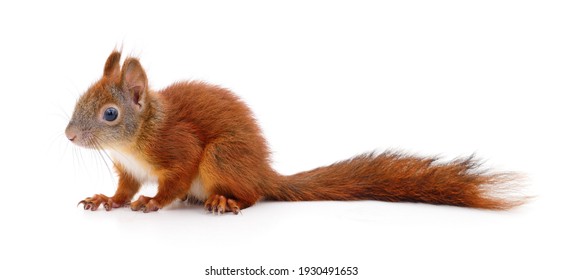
[[111, 69], [133, 79]]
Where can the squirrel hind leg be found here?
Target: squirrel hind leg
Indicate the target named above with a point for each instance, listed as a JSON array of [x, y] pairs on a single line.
[[220, 204]]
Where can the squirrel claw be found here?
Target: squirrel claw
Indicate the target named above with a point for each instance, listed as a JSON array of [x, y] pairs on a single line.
[[81, 202]]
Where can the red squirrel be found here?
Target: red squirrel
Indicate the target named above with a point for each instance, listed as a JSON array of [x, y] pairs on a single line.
[[200, 141]]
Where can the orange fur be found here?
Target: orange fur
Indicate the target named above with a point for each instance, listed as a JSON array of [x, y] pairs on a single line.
[[195, 130], [398, 177]]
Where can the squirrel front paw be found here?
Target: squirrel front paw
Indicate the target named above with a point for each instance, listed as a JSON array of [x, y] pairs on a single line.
[[145, 204], [93, 203]]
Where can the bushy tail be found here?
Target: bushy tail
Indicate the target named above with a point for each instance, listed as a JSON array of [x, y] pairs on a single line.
[[397, 177]]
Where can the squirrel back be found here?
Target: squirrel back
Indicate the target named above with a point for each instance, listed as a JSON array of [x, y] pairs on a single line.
[[201, 141]]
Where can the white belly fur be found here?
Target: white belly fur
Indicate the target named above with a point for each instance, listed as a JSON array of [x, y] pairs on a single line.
[[141, 171], [136, 167], [197, 189]]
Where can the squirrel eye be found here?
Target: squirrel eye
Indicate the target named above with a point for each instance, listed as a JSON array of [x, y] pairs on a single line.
[[110, 114]]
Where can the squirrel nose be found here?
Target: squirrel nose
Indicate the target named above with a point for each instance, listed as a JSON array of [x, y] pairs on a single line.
[[70, 134]]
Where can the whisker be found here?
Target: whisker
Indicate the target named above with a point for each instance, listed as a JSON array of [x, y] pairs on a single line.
[[101, 164], [81, 157], [100, 152], [107, 155], [61, 114], [93, 154], [65, 148], [75, 170], [54, 138], [114, 150], [103, 154], [75, 160], [64, 113]]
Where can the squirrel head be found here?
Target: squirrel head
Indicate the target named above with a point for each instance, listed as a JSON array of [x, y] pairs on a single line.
[[111, 112]]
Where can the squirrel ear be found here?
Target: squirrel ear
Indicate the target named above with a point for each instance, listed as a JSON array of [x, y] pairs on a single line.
[[133, 79], [111, 69]]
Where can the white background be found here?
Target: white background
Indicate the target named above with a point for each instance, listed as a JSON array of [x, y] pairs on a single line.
[[326, 80]]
